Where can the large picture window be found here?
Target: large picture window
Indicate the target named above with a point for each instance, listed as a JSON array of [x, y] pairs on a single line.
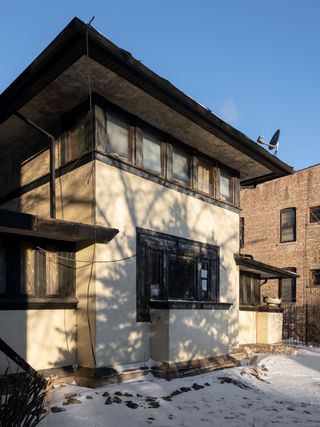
[[288, 225], [171, 268]]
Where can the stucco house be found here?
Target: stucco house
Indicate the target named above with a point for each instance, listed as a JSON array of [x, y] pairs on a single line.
[[119, 220]]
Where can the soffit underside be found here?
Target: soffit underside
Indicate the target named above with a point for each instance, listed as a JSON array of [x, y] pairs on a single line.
[[71, 88]]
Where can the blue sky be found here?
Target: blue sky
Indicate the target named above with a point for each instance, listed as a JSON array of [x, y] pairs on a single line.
[[254, 63]]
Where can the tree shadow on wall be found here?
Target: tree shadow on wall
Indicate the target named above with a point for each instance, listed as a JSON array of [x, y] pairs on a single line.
[[116, 336]]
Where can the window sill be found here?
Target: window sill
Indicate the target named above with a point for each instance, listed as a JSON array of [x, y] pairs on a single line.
[[261, 308], [292, 242], [189, 305], [14, 303]]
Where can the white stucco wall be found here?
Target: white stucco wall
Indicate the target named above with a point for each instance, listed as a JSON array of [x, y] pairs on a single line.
[[126, 201], [247, 327], [44, 338], [260, 327], [269, 328], [183, 335]]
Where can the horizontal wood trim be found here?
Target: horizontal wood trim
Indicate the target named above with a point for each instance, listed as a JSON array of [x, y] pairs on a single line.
[[261, 308], [114, 161], [37, 303], [45, 179], [189, 305]]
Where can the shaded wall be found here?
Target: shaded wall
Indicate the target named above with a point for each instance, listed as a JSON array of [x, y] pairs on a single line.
[[126, 201]]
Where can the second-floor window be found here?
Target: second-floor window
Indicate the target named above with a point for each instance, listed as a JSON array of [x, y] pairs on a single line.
[[288, 225], [151, 152], [118, 136], [205, 177], [180, 166], [226, 186]]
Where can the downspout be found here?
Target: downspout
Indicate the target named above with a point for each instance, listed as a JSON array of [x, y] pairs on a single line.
[[52, 159]]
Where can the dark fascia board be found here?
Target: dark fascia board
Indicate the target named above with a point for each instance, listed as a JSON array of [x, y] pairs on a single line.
[[56, 229], [265, 271], [70, 45]]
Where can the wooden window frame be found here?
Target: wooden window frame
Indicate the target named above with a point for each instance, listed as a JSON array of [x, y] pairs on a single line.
[[140, 128], [232, 199], [15, 296], [172, 246], [293, 287], [294, 225], [184, 149], [136, 126], [255, 290], [314, 218], [312, 277], [212, 164], [129, 120]]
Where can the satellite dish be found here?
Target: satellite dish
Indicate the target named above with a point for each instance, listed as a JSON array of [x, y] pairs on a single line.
[[274, 141]]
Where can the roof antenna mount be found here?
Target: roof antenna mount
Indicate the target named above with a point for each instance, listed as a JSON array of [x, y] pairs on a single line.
[[274, 141], [89, 23]]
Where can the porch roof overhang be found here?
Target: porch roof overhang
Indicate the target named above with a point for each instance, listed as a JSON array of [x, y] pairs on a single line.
[[56, 82], [265, 271], [24, 224]]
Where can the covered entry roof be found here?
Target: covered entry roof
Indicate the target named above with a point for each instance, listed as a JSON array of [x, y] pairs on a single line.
[[56, 82], [265, 271], [24, 224]]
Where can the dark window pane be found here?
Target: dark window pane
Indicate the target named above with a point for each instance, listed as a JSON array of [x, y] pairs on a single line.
[[151, 152], [249, 289], [3, 272], [74, 143], [182, 278], [226, 186], [288, 225], [118, 135], [315, 214], [204, 280], [154, 274], [205, 181], [180, 166], [287, 288], [315, 277], [241, 233]]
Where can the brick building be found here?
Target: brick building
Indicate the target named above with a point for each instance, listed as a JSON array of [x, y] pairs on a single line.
[[281, 226]]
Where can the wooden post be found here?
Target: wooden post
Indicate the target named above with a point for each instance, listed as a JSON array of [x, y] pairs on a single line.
[[7, 350]]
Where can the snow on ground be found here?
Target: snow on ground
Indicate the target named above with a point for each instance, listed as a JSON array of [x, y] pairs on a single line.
[[269, 389]]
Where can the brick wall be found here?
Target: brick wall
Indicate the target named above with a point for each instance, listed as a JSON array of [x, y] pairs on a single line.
[[261, 208]]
